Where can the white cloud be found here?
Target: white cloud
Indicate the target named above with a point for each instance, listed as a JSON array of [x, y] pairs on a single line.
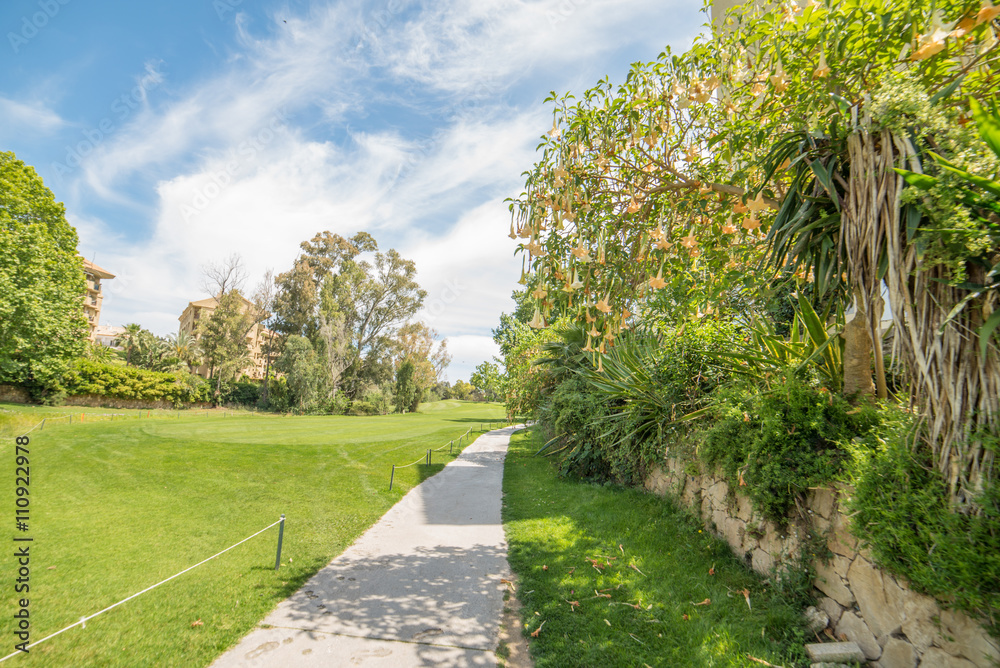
[[238, 168], [28, 117]]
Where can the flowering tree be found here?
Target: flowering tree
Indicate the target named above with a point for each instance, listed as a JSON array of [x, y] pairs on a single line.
[[771, 147]]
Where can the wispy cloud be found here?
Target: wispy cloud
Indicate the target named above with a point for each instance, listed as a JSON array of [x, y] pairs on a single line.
[[23, 117], [400, 120]]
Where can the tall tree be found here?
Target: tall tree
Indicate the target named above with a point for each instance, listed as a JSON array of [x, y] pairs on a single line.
[[486, 379], [418, 344], [42, 326], [349, 308]]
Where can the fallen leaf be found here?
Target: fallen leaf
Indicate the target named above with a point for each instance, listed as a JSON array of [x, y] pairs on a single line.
[[571, 570], [762, 661], [746, 595], [510, 585], [685, 617], [534, 634], [707, 601], [636, 569], [607, 622], [573, 605], [197, 622], [621, 548], [711, 571], [600, 595], [51, 568], [545, 568]]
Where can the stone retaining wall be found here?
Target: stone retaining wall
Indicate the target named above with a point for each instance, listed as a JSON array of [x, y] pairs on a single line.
[[99, 401], [894, 626], [14, 395]]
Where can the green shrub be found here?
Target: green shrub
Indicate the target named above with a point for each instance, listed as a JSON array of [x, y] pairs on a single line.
[[778, 442], [362, 408], [90, 377], [244, 392], [901, 510], [570, 419]]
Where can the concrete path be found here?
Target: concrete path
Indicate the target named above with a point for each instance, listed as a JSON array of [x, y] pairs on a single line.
[[420, 588]]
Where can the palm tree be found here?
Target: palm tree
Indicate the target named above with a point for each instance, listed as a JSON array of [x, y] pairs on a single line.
[[184, 346], [129, 340]]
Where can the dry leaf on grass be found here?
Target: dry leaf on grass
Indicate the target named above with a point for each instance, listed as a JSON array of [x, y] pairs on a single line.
[[510, 585], [621, 548], [707, 601], [573, 605], [545, 568], [711, 571], [607, 622], [685, 617], [762, 661], [197, 622], [636, 569], [746, 595], [534, 634]]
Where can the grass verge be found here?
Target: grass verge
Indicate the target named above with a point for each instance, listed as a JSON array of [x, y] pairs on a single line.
[[118, 506], [616, 577]]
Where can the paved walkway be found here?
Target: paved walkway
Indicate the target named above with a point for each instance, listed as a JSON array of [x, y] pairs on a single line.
[[420, 588]]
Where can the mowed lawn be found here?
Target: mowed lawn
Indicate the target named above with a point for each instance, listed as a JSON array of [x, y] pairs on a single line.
[[610, 576], [118, 506]]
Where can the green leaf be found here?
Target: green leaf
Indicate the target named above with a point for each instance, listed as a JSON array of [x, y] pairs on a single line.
[[986, 331], [921, 181], [989, 126]]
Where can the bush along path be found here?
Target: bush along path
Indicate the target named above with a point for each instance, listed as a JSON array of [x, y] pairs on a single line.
[[610, 576]]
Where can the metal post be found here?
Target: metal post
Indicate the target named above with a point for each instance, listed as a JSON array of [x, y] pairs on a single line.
[[281, 534], [43, 425], [428, 456], [391, 476]]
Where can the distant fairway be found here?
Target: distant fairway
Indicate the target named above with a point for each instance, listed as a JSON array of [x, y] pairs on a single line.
[[118, 506]]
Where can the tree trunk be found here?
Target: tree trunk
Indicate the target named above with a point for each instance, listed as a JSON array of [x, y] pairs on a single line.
[[858, 384]]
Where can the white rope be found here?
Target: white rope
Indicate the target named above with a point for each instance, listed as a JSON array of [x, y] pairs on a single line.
[[83, 620], [422, 459]]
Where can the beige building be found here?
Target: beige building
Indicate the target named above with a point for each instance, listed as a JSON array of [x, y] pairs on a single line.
[[107, 335], [257, 337], [94, 297]]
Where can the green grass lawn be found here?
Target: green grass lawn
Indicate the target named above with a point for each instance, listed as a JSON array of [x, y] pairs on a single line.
[[617, 577], [118, 506]]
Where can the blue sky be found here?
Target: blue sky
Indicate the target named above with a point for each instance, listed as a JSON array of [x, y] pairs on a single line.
[[180, 132]]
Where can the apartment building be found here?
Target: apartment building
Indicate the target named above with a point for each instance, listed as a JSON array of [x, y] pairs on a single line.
[[94, 297], [257, 338]]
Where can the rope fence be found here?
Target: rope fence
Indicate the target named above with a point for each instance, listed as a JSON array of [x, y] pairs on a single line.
[[426, 458], [83, 620]]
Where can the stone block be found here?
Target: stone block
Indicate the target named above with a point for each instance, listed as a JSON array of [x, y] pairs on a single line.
[[830, 583], [831, 608], [963, 636], [816, 619], [719, 491], [919, 612], [835, 652], [897, 653], [840, 540], [744, 507], [855, 629], [657, 482], [935, 657], [734, 531], [879, 597], [821, 501], [761, 561]]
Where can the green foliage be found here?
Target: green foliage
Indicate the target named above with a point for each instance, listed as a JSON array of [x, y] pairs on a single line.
[[487, 380], [42, 327], [303, 374], [106, 380], [780, 440], [407, 396], [613, 422], [900, 509], [243, 392]]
